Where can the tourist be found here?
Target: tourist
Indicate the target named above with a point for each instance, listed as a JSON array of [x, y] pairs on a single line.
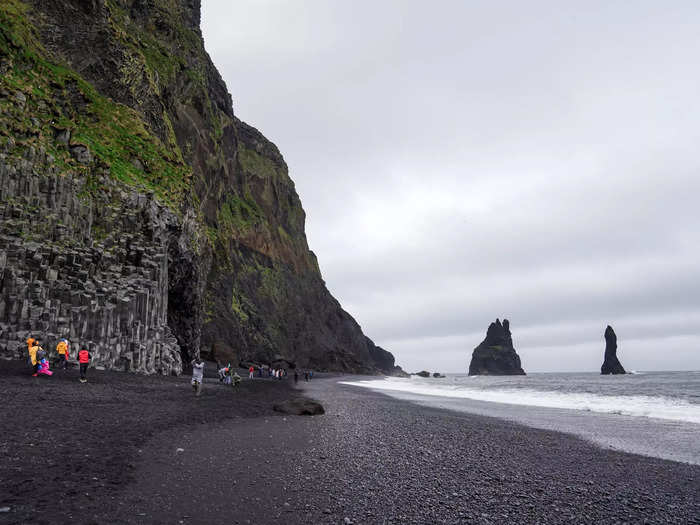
[[306, 375], [296, 376], [236, 380], [33, 347], [84, 359], [30, 344], [42, 362], [62, 349], [311, 374], [197, 375], [222, 373], [251, 372]]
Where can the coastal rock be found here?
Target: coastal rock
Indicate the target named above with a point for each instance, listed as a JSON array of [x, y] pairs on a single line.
[[423, 373], [300, 406], [611, 364], [496, 354], [438, 375]]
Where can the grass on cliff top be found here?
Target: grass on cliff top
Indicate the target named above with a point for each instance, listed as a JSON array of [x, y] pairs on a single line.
[[114, 133]]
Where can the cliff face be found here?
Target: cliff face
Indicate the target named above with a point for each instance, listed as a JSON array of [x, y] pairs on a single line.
[[139, 214], [496, 354]]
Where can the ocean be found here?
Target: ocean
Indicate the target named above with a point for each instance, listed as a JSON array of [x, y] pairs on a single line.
[[649, 413]]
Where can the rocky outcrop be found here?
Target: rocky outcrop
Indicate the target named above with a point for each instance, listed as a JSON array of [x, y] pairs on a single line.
[[496, 354], [438, 375], [168, 224], [611, 364], [423, 373], [300, 406]]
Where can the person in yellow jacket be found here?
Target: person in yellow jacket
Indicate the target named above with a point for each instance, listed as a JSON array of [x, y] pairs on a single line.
[[33, 349], [62, 349]]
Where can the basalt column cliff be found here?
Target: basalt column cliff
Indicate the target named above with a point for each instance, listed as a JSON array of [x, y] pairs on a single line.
[[138, 214]]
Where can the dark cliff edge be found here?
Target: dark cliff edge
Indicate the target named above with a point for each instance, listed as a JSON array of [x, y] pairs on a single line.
[[496, 354], [611, 364], [139, 215]]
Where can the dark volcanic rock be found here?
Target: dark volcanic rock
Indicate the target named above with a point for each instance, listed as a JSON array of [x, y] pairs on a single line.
[[423, 373], [300, 407], [179, 228], [611, 364], [438, 375], [496, 355]]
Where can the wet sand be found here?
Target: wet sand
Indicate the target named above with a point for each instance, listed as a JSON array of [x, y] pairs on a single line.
[[370, 459]]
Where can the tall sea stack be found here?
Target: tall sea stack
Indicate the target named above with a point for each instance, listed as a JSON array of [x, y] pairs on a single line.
[[495, 355], [611, 364]]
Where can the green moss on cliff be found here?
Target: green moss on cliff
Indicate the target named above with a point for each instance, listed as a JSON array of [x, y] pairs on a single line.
[[238, 214], [255, 164], [60, 99]]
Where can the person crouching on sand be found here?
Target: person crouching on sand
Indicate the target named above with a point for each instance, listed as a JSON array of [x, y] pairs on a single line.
[[42, 366], [197, 375], [84, 359], [236, 380]]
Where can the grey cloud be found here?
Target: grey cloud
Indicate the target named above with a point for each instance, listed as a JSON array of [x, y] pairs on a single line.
[[460, 161]]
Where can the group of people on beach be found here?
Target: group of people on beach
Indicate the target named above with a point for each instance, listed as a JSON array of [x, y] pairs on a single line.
[[38, 358], [276, 373], [228, 376]]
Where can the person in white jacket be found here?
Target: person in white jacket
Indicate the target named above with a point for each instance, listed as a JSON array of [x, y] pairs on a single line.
[[197, 375]]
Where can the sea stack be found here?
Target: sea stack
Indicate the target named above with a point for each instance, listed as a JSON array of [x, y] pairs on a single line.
[[496, 356], [611, 364]]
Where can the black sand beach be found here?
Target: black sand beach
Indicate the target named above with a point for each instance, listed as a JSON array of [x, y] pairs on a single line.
[[370, 459]]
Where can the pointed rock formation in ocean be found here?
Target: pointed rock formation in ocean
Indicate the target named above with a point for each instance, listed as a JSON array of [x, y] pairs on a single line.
[[611, 364], [495, 355]]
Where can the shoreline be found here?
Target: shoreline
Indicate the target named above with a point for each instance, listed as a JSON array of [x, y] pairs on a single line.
[[673, 440], [371, 459]]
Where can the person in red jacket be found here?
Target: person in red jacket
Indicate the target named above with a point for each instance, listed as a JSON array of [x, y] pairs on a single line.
[[84, 360], [251, 372]]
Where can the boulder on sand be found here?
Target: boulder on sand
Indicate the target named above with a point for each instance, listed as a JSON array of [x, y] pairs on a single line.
[[300, 406], [496, 355], [611, 364]]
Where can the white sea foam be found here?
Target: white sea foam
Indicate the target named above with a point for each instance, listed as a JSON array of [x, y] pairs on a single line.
[[631, 405]]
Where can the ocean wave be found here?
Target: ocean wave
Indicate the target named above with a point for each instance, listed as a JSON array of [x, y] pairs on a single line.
[[659, 407]]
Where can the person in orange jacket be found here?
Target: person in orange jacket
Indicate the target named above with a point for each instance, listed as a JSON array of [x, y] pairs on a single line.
[[30, 343], [62, 349], [84, 359], [33, 349]]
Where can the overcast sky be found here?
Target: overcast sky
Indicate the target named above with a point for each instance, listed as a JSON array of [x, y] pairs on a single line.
[[460, 161]]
